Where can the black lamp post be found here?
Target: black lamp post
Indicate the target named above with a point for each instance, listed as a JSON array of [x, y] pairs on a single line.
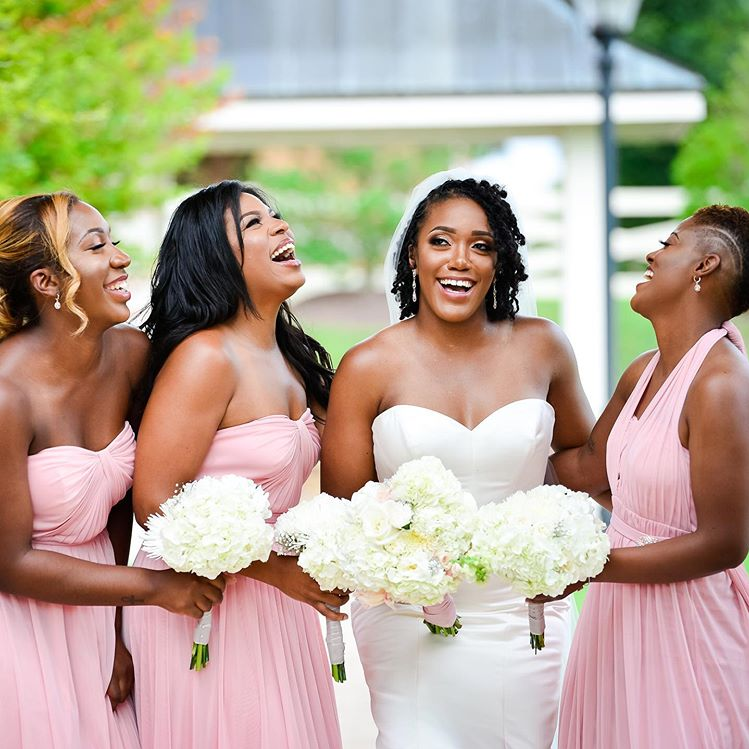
[[608, 20]]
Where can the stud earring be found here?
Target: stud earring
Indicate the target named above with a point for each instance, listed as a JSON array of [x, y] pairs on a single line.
[[494, 294], [413, 285], [57, 304], [697, 281]]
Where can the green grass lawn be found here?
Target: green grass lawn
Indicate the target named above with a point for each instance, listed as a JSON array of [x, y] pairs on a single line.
[[634, 336]]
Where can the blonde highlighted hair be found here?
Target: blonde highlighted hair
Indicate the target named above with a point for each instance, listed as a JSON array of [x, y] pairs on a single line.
[[34, 233]]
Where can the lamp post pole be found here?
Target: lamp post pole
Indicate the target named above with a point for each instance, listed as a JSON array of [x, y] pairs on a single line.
[[608, 20], [610, 171]]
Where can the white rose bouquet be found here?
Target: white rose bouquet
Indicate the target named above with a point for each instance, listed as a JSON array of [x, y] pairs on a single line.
[[541, 541], [408, 534], [211, 526], [315, 531]]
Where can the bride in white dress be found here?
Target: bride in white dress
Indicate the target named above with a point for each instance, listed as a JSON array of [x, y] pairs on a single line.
[[464, 378]]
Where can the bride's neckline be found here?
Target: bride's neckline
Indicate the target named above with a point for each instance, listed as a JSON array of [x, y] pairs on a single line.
[[460, 423]]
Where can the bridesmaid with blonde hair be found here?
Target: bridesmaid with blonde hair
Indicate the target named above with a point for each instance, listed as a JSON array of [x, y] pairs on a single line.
[[661, 653], [67, 374]]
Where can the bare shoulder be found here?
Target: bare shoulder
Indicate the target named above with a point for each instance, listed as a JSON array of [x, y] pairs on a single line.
[[15, 409], [202, 350], [131, 349], [722, 383], [131, 339], [542, 331], [374, 354], [633, 372]]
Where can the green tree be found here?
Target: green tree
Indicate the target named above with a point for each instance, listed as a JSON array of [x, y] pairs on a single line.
[[346, 208], [99, 96], [714, 160], [700, 35]]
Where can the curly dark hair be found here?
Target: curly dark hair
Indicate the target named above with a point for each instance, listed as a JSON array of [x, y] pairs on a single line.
[[509, 268], [728, 225]]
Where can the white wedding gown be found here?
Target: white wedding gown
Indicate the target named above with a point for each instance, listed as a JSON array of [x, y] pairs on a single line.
[[485, 688]]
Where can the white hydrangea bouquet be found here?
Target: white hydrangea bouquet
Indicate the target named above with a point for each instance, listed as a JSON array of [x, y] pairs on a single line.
[[208, 527], [541, 541], [315, 531], [409, 531]]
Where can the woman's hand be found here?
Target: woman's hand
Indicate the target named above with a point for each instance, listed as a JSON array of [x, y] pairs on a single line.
[[284, 573], [186, 594], [568, 591], [123, 676]]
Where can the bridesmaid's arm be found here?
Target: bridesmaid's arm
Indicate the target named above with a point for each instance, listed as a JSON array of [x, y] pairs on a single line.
[[347, 449], [573, 415], [583, 468], [185, 408], [717, 415], [59, 578]]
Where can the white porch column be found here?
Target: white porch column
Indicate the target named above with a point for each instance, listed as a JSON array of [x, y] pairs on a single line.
[[583, 258]]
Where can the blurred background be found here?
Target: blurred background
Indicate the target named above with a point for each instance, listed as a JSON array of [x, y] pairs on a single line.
[[339, 107], [607, 121]]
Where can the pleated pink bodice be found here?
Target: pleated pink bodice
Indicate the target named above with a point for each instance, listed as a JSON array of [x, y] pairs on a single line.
[[73, 489]]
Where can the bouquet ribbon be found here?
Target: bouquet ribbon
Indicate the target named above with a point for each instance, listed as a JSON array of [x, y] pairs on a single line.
[[441, 614]]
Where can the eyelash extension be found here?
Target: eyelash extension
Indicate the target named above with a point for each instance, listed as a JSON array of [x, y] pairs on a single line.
[[665, 244], [103, 244]]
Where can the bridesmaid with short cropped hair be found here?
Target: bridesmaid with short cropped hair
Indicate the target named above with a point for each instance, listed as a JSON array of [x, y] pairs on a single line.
[[661, 653]]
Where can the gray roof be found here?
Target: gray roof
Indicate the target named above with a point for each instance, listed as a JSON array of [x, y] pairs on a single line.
[[409, 47]]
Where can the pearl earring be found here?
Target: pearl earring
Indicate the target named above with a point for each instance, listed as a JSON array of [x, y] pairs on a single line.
[[57, 304], [413, 285], [697, 280]]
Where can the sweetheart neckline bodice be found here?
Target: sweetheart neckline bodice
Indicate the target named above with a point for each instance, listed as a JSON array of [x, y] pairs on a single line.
[[489, 416]]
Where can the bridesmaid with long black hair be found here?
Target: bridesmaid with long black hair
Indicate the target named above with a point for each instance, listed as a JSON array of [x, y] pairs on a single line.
[[235, 387]]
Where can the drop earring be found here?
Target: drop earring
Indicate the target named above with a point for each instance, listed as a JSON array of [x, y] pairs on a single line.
[[413, 285], [57, 304], [697, 281], [494, 293]]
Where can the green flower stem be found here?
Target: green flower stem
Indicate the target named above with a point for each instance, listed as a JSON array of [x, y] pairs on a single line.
[[537, 642], [199, 659], [445, 631], [339, 672]]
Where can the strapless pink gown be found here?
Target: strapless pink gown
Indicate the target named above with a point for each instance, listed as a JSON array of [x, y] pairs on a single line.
[[659, 666], [57, 660], [268, 684]]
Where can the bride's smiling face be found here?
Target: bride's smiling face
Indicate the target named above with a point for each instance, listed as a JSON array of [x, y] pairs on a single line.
[[455, 257]]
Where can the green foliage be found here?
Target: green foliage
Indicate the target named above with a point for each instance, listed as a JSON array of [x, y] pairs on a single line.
[[714, 161], [346, 207], [697, 34], [97, 96], [700, 35]]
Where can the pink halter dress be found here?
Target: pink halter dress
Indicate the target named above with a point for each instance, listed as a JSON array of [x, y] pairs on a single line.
[[268, 684], [655, 666], [57, 660]]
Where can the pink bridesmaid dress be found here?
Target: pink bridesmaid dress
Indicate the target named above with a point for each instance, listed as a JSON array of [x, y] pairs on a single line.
[[268, 683], [655, 666], [57, 660]]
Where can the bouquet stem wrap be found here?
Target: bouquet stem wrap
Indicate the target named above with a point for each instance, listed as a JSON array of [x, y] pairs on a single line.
[[336, 647], [537, 625], [201, 635], [442, 618]]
